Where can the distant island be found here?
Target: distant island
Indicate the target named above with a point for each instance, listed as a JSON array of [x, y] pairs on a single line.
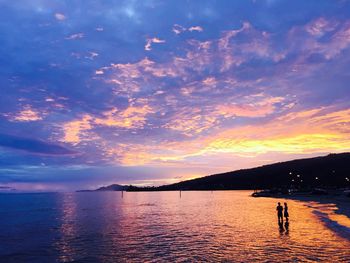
[[112, 187], [331, 172]]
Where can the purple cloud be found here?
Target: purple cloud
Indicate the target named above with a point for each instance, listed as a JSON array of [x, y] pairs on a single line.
[[33, 146]]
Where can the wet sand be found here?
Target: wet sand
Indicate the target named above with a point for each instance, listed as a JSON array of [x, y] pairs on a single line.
[[333, 210], [341, 202]]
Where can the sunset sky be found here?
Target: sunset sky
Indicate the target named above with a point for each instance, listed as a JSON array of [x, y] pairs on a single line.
[[154, 92]]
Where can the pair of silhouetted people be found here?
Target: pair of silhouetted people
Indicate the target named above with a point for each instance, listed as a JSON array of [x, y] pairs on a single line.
[[280, 213]]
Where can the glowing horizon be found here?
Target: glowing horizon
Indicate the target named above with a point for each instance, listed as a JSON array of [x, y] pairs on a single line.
[[154, 92]]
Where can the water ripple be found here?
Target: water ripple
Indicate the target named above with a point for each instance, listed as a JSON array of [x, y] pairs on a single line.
[[161, 227]]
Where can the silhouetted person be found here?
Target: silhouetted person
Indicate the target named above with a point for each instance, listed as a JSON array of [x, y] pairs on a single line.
[[286, 215], [279, 209]]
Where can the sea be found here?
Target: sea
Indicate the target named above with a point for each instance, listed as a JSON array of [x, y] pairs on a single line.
[[187, 226]]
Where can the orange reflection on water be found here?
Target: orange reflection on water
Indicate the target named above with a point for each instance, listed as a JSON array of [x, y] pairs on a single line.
[[194, 226]]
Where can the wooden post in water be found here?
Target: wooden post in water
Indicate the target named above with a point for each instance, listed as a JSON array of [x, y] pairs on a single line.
[[122, 193], [180, 193]]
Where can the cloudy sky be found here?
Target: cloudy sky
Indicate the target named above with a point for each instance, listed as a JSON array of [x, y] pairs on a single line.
[[154, 92]]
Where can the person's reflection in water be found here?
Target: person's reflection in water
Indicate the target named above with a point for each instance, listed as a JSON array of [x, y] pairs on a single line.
[[286, 214], [281, 227], [279, 209], [286, 226]]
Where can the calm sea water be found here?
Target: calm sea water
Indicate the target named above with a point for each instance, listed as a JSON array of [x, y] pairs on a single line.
[[162, 227]]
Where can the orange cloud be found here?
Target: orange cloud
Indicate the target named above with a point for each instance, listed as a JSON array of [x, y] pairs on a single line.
[[294, 133], [191, 122], [132, 117], [258, 109], [290, 131], [75, 130], [27, 114]]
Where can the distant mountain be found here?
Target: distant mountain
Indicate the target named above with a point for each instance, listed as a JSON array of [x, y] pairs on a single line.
[[331, 171], [112, 187]]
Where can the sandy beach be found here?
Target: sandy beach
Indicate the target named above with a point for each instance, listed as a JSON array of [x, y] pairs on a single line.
[[341, 201]]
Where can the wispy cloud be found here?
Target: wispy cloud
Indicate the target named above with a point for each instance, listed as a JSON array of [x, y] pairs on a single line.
[[75, 36], [178, 29], [60, 16], [150, 41], [80, 130], [33, 145], [195, 28], [290, 133], [27, 114]]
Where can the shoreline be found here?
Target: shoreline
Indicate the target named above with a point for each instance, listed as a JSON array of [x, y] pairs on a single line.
[[342, 202]]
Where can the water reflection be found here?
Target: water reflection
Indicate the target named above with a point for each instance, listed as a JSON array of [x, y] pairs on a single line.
[[283, 228], [68, 228], [199, 226]]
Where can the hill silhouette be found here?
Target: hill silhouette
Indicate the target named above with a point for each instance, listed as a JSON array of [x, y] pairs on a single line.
[[112, 187], [331, 171]]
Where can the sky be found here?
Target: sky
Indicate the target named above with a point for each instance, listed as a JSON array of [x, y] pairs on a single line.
[[154, 92]]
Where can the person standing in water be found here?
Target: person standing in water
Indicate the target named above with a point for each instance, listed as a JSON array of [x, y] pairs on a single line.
[[279, 209], [286, 215]]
